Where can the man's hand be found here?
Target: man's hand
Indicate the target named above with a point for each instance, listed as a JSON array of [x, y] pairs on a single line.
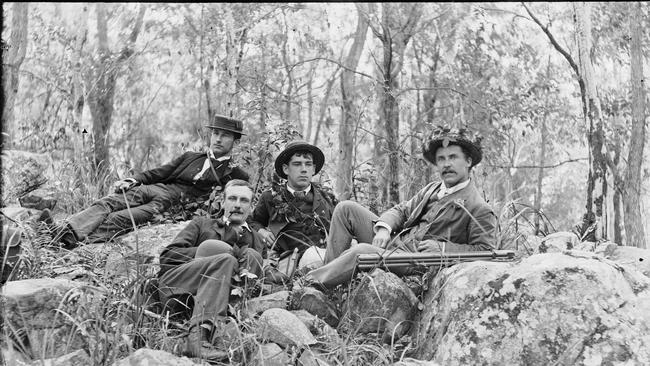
[[123, 185], [430, 245], [382, 237], [267, 237]]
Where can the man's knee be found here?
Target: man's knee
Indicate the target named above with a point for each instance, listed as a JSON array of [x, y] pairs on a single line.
[[212, 247], [345, 207]]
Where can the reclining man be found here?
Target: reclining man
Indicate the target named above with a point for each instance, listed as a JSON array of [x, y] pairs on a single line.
[[447, 216], [296, 216], [201, 262], [154, 191]]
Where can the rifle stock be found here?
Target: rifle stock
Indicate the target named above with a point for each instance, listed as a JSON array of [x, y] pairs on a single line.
[[390, 260]]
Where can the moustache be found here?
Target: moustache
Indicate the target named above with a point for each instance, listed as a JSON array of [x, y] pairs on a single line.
[[448, 171], [236, 212]]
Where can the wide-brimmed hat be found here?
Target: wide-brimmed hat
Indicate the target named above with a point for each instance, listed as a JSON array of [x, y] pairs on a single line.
[[226, 123], [443, 136], [291, 148]]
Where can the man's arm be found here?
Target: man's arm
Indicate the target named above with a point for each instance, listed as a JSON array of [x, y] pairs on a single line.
[[183, 247], [158, 174], [397, 216], [481, 235]]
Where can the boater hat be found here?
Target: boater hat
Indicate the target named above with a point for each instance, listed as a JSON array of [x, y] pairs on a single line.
[[443, 136], [226, 123], [291, 148]]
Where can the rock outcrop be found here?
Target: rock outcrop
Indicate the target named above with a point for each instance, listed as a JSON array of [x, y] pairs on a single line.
[[558, 308], [47, 318]]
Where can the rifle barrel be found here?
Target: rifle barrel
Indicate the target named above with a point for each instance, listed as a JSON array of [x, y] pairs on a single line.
[[401, 259]]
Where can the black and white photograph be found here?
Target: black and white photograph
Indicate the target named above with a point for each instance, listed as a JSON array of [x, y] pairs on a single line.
[[325, 184]]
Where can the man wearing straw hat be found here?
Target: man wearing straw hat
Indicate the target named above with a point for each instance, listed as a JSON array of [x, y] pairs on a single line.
[[293, 219], [446, 216], [154, 191]]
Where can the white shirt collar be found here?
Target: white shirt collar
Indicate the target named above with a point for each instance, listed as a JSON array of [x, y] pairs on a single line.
[[292, 191], [444, 191], [223, 158]]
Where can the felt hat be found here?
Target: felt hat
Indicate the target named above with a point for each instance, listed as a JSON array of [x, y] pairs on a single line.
[[226, 123], [291, 148], [443, 136]]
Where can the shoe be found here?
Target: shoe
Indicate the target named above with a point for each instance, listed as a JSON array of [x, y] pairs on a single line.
[[308, 281], [199, 346], [63, 234]]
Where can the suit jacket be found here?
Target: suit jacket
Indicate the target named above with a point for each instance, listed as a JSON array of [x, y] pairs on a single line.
[[183, 169], [184, 246], [452, 222], [266, 212]]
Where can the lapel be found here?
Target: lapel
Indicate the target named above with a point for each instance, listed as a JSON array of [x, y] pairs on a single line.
[[318, 199], [464, 194], [419, 209]]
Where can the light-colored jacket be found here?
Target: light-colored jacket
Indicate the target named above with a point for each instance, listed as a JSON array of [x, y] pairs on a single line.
[[462, 219]]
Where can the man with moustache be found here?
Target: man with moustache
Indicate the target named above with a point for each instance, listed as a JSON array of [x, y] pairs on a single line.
[[446, 216], [202, 260], [293, 219], [193, 174]]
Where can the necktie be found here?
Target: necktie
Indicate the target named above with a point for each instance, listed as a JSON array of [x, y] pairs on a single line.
[[300, 196]]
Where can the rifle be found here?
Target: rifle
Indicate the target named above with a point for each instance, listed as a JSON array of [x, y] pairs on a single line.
[[391, 260]]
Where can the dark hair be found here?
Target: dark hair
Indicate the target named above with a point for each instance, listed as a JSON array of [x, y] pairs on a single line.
[[238, 183]]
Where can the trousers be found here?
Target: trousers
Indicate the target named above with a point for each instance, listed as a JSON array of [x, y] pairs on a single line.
[[109, 216], [350, 221], [208, 280]]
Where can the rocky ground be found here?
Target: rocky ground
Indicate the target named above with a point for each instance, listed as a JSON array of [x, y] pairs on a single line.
[[561, 302]]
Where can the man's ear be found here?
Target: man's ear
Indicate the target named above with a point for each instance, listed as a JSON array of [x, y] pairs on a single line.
[[236, 143], [285, 169]]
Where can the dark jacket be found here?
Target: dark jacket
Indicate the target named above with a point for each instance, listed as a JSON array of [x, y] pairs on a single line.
[[183, 169], [452, 221], [269, 214], [183, 247]]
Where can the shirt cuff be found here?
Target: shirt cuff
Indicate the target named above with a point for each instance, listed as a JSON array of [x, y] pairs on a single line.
[[130, 180], [381, 224]]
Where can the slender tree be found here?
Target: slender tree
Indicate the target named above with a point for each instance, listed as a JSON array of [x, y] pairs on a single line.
[[101, 80], [13, 54], [348, 110], [632, 202]]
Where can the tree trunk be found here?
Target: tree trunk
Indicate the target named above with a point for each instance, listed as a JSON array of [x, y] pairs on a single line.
[[349, 115], [540, 173], [596, 184], [78, 96], [13, 57], [397, 26], [634, 230], [102, 86]]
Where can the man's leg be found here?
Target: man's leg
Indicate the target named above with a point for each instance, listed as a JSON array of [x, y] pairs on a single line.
[[208, 280], [144, 204], [341, 269], [349, 220]]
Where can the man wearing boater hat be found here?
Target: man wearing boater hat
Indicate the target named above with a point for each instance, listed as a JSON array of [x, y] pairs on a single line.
[[154, 191], [446, 216], [293, 219]]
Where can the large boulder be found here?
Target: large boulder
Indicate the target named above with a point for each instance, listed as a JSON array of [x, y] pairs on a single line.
[[382, 303], [22, 172], [571, 308], [139, 249], [46, 317], [315, 302], [258, 305]]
